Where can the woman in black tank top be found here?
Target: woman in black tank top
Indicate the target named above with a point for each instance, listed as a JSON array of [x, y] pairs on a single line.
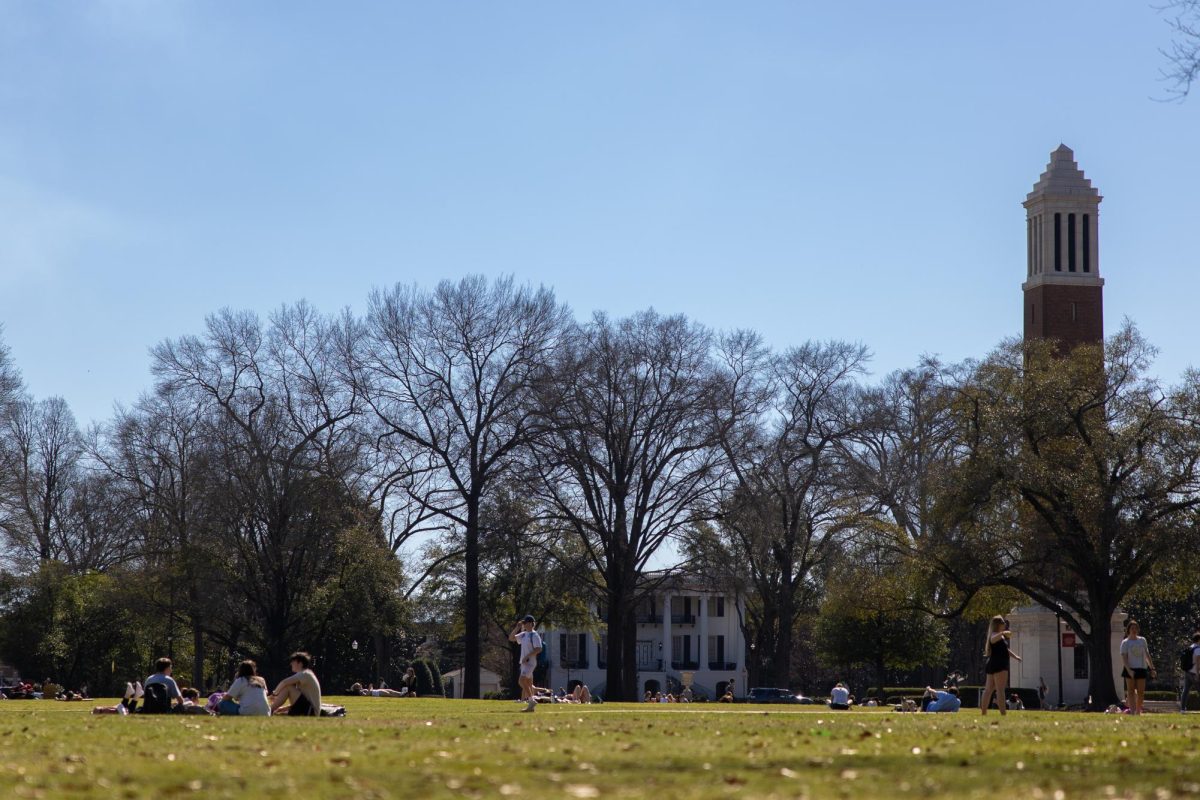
[[996, 653]]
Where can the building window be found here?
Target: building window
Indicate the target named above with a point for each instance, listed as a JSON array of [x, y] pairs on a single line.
[[1029, 245], [572, 650], [716, 606], [1087, 243], [1081, 662], [1070, 242], [681, 652], [1058, 242], [716, 652]]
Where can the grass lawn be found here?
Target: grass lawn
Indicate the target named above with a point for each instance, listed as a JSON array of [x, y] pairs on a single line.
[[415, 749]]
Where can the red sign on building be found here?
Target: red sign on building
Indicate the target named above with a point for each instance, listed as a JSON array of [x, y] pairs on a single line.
[[1068, 640]]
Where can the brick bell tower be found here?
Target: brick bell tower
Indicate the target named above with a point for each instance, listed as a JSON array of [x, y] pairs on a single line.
[[1064, 293]]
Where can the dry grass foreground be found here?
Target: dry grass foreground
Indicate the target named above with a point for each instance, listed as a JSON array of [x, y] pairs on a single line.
[[389, 748]]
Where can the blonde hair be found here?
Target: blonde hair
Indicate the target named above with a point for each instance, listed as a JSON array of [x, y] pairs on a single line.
[[996, 625]]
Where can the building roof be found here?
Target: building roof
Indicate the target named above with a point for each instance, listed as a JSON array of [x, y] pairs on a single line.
[[1063, 177]]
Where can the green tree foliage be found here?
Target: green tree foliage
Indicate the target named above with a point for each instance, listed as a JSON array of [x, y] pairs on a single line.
[[1078, 475], [864, 623]]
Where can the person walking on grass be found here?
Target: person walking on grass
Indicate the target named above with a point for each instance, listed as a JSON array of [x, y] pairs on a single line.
[[997, 652], [1135, 656], [1191, 677], [531, 646]]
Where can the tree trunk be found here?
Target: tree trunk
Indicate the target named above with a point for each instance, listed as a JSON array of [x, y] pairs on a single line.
[[197, 654], [1100, 661], [514, 670], [471, 654], [781, 669]]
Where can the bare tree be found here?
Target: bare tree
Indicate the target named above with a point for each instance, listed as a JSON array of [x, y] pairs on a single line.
[[280, 435], [448, 374], [42, 455], [157, 455], [785, 510], [1183, 54], [631, 460]]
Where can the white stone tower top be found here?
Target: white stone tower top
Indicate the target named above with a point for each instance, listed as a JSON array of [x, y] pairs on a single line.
[[1062, 224], [1063, 178]]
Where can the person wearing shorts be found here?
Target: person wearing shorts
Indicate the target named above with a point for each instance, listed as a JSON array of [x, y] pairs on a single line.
[[996, 653], [300, 694], [1135, 655], [531, 645]]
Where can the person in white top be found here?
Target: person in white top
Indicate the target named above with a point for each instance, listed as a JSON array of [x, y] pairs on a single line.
[[1135, 654], [247, 695], [531, 646], [1191, 677], [839, 697]]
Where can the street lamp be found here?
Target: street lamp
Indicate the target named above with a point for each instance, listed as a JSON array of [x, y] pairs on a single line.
[[1058, 648]]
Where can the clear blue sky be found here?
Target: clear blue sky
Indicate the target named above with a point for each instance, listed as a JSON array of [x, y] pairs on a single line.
[[813, 170]]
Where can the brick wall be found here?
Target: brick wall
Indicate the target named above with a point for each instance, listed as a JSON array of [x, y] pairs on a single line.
[[1049, 313]]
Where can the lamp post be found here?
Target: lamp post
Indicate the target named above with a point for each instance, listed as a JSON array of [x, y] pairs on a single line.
[[1058, 648]]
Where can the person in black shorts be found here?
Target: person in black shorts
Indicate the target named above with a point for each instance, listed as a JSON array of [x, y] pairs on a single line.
[[997, 652], [1135, 657]]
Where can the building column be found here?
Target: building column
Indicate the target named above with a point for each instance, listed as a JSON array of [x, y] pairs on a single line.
[[702, 646], [666, 634]]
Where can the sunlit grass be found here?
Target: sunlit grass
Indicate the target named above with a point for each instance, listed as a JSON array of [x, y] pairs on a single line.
[[390, 748]]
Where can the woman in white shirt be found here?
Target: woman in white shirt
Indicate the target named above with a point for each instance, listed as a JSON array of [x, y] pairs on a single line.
[[1135, 654], [247, 695]]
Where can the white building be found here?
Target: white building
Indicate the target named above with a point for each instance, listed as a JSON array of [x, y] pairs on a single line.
[[1039, 637], [681, 627], [452, 682]]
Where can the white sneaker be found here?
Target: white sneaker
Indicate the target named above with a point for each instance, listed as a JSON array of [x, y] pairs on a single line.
[[138, 691], [128, 691]]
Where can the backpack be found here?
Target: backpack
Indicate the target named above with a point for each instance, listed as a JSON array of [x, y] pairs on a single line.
[[157, 699], [1186, 656]]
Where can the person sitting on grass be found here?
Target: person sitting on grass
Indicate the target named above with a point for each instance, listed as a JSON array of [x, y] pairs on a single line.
[[649, 698], [161, 689], [839, 697], [247, 695], [1015, 703], [727, 697], [940, 700], [300, 694], [408, 684], [357, 688]]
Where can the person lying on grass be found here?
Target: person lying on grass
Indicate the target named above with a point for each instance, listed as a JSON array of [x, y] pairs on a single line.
[[357, 688], [300, 694], [940, 700]]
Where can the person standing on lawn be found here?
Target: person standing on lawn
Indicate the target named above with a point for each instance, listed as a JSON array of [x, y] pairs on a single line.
[[1135, 655], [1191, 677], [531, 646], [997, 652]]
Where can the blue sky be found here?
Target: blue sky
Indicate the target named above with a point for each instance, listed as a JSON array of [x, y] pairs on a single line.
[[812, 170]]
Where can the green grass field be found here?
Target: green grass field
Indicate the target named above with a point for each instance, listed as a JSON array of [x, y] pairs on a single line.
[[389, 748]]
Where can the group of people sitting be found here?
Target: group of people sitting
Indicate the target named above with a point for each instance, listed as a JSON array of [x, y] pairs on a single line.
[[683, 696], [299, 694], [46, 690]]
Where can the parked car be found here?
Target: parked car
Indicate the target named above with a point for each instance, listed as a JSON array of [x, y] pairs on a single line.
[[768, 695]]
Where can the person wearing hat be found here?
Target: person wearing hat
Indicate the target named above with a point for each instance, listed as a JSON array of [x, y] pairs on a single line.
[[531, 646]]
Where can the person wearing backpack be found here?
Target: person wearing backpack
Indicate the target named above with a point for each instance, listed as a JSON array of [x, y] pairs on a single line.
[[161, 689], [1189, 661]]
